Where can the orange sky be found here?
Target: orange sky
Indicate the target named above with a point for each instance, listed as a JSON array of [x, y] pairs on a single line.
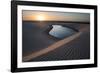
[[55, 16]]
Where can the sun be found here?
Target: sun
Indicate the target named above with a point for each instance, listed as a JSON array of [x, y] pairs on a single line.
[[40, 17]]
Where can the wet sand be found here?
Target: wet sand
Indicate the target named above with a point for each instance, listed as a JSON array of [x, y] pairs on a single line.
[[35, 39]]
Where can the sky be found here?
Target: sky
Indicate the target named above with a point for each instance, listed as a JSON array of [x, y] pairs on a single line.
[[31, 15]]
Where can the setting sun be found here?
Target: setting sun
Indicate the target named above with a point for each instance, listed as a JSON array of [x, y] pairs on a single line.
[[40, 17]]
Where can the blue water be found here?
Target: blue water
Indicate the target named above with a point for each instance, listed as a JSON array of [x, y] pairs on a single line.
[[61, 32]]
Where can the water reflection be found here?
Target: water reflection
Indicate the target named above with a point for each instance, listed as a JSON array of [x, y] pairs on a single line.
[[60, 32]]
